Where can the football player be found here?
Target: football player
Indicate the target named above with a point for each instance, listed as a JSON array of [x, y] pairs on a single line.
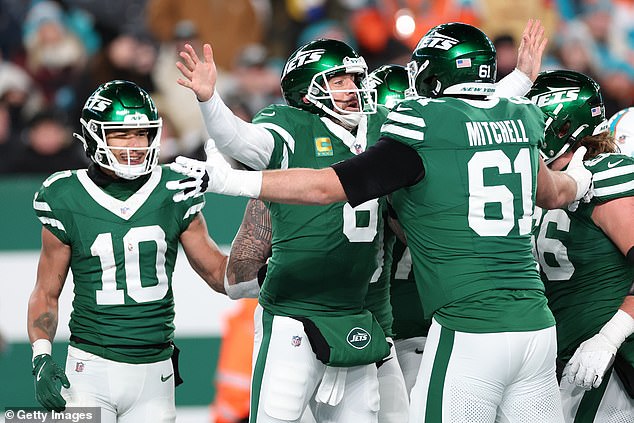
[[322, 258], [470, 173], [117, 228], [586, 255], [335, 116], [409, 328]]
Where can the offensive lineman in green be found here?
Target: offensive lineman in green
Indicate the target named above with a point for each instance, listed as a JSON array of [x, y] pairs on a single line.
[[118, 229], [464, 173], [586, 255]]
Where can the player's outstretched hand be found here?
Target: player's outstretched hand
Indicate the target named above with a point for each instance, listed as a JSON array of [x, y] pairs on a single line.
[[531, 50], [198, 75], [213, 175]]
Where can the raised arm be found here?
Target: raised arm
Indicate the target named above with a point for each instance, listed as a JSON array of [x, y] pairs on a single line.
[[529, 62], [203, 254], [248, 143]]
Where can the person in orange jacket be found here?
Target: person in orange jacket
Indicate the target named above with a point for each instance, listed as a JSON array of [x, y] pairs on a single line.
[[233, 371]]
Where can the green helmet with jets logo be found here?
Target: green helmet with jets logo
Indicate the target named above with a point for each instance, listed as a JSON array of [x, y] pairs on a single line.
[[120, 106], [573, 106], [390, 82], [307, 71], [453, 59]]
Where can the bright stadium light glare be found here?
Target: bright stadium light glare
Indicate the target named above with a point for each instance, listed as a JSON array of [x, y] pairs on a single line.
[[404, 23]]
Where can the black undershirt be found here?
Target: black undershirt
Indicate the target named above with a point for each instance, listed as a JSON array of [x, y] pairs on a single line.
[[119, 188], [383, 168]]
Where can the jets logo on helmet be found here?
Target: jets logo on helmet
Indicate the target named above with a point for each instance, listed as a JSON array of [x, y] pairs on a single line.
[[308, 70], [302, 58], [574, 109], [439, 41], [556, 95], [372, 81], [97, 103], [120, 106]]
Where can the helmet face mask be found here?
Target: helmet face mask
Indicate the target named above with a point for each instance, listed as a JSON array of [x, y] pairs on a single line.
[[306, 75], [453, 59], [120, 106], [573, 108], [391, 84]]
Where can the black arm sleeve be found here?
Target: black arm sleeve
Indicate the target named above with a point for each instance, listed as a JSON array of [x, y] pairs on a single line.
[[383, 168]]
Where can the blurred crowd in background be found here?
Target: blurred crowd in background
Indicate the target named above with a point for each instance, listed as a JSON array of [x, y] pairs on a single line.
[[54, 53]]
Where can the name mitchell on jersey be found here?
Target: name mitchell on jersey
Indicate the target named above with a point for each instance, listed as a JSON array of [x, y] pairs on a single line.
[[504, 131]]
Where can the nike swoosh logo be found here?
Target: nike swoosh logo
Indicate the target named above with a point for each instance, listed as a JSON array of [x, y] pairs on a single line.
[[39, 376], [611, 165], [417, 351], [403, 109], [268, 114], [164, 379]]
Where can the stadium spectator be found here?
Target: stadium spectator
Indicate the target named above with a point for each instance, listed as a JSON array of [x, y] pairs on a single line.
[[229, 26], [47, 146]]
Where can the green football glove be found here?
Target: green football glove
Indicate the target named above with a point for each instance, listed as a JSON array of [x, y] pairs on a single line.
[[47, 390]]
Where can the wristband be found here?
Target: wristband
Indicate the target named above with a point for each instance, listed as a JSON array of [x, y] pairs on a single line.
[[619, 327], [246, 289], [41, 346], [515, 84], [243, 183]]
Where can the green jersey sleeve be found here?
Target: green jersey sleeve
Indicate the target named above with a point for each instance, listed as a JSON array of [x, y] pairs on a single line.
[[613, 176]]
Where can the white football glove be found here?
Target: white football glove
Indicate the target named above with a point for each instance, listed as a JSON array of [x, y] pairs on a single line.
[[590, 361], [213, 175], [582, 176], [594, 356]]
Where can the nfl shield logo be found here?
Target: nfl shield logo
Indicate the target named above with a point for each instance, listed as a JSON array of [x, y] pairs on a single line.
[[296, 341], [79, 367]]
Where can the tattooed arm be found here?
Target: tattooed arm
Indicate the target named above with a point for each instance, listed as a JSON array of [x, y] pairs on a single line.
[[250, 249], [51, 275]]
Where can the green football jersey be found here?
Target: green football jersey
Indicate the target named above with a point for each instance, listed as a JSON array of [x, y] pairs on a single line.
[[123, 249], [406, 304], [377, 299], [585, 274], [468, 221], [322, 256]]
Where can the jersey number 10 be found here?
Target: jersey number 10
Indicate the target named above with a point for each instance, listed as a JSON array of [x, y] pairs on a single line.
[[103, 248]]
